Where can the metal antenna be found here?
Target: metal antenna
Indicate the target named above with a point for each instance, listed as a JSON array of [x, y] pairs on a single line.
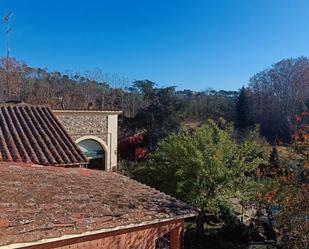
[[8, 30]]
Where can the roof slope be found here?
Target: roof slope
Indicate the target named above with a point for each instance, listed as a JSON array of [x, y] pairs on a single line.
[[32, 134], [48, 202]]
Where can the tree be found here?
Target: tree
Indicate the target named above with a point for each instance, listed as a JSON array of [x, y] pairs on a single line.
[[277, 94], [10, 81], [243, 119], [160, 115], [200, 106], [102, 91], [205, 167], [289, 192]]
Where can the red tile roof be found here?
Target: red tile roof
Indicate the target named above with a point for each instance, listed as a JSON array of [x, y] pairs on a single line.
[[32, 134], [49, 202]]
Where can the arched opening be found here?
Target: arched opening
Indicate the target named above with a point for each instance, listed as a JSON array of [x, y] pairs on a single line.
[[95, 152]]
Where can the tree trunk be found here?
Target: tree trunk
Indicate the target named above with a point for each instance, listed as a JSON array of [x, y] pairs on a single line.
[[200, 223], [271, 232]]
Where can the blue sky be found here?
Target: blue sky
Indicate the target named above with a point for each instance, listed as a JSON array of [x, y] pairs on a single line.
[[193, 44]]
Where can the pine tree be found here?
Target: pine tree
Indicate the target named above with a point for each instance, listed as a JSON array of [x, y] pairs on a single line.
[[243, 119], [275, 165]]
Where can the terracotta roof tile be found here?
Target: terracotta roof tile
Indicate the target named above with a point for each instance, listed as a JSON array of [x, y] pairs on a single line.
[[48, 202], [32, 134]]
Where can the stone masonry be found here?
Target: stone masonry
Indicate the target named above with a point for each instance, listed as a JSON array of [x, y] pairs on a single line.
[[101, 126]]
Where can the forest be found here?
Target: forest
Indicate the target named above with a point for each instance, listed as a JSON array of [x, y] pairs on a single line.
[[224, 152], [270, 100]]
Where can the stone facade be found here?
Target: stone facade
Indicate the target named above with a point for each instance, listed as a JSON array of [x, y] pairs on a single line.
[[101, 126], [81, 124]]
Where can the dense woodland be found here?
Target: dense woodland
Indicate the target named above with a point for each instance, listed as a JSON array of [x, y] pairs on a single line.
[[206, 148], [271, 99]]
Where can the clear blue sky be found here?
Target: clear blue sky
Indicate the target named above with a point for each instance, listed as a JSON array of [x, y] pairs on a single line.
[[194, 44]]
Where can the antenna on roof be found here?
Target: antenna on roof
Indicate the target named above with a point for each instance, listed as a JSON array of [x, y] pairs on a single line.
[[8, 31], [6, 18]]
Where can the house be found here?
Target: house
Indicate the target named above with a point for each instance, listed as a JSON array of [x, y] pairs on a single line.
[[95, 132], [55, 207], [57, 137], [49, 199]]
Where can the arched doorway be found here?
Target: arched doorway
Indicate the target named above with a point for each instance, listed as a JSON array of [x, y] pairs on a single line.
[[94, 151]]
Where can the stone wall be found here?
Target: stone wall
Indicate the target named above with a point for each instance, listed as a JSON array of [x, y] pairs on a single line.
[[101, 126], [79, 124]]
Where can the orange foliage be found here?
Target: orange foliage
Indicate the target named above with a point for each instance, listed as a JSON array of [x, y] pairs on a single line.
[[290, 191]]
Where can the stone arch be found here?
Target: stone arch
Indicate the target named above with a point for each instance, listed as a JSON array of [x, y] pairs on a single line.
[[101, 143]]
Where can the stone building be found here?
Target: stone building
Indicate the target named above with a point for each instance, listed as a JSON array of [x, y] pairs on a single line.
[[95, 132]]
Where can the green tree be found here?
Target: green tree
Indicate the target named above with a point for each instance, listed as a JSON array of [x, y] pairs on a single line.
[[243, 119], [205, 167], [160, 115]]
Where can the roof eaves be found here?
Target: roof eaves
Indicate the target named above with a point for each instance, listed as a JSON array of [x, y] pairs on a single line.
[[96, 232]]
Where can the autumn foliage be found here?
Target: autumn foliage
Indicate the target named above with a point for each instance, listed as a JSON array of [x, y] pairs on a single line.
[[133, 148], [289, 192]]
